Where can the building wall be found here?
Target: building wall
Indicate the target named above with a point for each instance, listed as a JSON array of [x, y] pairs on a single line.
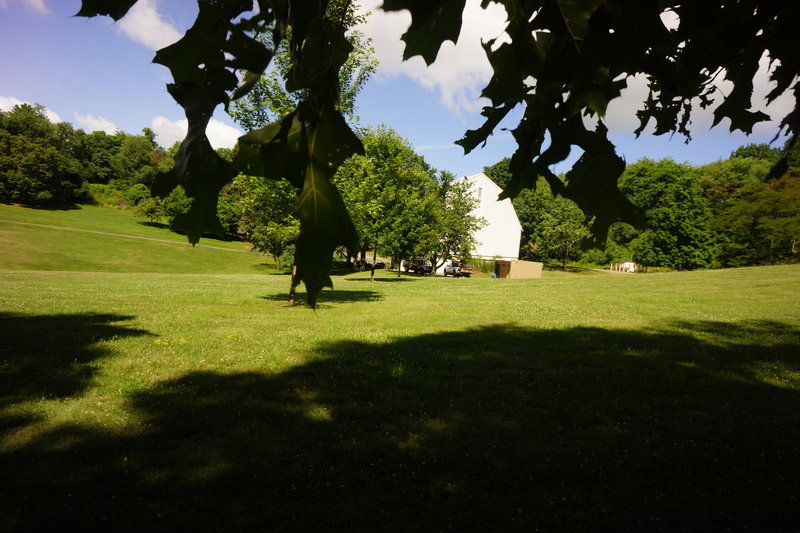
[[501, 235]]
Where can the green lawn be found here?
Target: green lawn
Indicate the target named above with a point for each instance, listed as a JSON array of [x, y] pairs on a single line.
[[111, 240], [172, 398]]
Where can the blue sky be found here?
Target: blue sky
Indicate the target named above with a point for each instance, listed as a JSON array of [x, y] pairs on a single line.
[[98, 75]]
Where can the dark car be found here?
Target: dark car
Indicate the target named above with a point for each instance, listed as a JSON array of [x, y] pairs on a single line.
[[421, 266]]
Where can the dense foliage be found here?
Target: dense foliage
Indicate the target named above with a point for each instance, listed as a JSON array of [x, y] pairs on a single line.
[[47, 164], [401, 207]]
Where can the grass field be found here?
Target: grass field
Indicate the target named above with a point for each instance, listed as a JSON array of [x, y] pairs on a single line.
[[177, 391]]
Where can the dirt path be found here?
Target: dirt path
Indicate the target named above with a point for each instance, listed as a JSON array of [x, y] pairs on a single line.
[[121, 235]]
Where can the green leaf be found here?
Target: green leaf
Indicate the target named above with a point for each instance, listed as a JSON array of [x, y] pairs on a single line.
[[248, 54], [323, 52], [115, 9], [473, 138], [432, 23], [250, 80], [576, 14], [200, 49], [198, 168], [307, 148], [592, 184], [324, 221], [276, 151]]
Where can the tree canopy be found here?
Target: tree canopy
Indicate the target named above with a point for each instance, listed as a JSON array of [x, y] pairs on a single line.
[[563, 61]]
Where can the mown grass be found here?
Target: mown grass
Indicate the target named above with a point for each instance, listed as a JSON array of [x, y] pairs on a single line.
[[34, 239], [164, 401]]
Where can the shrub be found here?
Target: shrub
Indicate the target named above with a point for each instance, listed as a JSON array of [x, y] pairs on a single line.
[[135, 194], [151, 209]]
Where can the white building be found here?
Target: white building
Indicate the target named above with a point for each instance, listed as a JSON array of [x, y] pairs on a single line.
[[499, 237]]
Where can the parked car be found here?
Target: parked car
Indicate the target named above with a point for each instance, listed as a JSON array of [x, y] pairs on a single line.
[[421, 266], [457, 269]]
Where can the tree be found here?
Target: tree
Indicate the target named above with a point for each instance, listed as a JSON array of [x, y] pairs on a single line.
[[96, 151], [136, 161], [562, 60], [37, 159], [562, 228], [762, 225], [262, 212], [500, 172], [722, 181], [276, 239], [176, 203], [390, 194], [269, 100], [757, 151], [453, 227], [151, 209], [678, 231]]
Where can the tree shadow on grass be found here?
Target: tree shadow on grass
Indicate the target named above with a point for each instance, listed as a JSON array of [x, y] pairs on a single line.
[[52, 356], [678, 428], [151, 224], [384, 280], [329, 297]]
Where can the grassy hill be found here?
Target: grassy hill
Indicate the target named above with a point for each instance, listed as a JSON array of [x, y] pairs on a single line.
[[95, 239], [149, 387]]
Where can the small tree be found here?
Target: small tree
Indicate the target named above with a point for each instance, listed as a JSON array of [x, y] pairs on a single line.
[[276, 239], [454, 226], [562, 230], [151, 209]]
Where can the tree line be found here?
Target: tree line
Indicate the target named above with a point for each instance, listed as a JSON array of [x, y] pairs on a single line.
[[723, 214], [47, 164], [728, 213]]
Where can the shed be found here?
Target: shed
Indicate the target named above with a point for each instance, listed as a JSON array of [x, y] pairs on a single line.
[[516, 269]]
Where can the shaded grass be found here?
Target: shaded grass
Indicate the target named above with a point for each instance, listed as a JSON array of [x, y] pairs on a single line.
[[172, 402]]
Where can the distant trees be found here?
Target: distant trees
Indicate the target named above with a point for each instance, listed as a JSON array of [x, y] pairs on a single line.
[[678, 232], [726, 213], [38, 160], [47, 164]]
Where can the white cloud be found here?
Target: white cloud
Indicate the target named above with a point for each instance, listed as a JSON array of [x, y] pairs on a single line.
[[460, 71], [145, 25], [168, 132], [34, 5], [7, 103], [92, 123]]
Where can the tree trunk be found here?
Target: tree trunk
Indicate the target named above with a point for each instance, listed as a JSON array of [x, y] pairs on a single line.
[[374, 258], [292, 294]]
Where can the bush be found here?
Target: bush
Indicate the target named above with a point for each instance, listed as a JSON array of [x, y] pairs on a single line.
[[105, 195], [596, 256], [151, 209], [176, 203], [135, 194]]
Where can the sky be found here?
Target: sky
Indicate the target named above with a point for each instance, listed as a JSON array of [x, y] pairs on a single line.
[[99, 75]]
